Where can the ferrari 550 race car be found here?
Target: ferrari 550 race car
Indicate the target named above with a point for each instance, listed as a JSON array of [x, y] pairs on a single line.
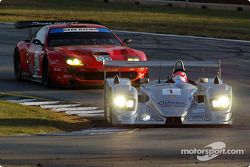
[[71, 53], [176, 100]]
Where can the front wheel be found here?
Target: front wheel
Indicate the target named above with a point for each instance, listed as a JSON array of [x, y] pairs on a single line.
[[108, 113], [46, 74], [17, 65]]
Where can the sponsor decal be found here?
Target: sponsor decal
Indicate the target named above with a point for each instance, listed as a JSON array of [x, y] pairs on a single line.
[[171, 92], [101, 58], [199, 110], [172, 97], [65, 30], [80, 30], [166, 103], [212, 151]]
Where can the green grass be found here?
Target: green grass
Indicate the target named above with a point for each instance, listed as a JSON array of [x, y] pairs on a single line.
[[160, 19], [17, 119]]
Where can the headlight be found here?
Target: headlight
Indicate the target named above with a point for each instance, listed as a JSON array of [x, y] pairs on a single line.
[[74, 62], [123, 103], [221, 102], [133, 59], [130, 104], [120, 101], [145, 117]]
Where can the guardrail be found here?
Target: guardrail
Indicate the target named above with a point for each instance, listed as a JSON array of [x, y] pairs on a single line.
[[186, 3]]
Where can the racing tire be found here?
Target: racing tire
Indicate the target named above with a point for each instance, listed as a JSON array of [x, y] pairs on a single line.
[[108, 116], [107, 108], [111, 118], [46, 78], [17, 65]]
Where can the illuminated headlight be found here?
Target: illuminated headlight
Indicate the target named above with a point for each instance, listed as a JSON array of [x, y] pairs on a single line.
[[145, 117], [221, 102], [123, 103], [74, 62], [130, 104], [133, 59], [120, 101]]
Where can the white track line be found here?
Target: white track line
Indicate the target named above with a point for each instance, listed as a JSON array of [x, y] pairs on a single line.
[[95, 131], [90, 115], [59, 106], [85, 112], [7, 23], [21, 101], [75, 109], [183, 36], [39, 103]]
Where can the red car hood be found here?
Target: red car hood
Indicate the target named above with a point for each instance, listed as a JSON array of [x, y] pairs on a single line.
[[89, 52]]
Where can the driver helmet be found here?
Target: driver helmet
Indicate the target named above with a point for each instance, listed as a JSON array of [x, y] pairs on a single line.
[[180, 76]]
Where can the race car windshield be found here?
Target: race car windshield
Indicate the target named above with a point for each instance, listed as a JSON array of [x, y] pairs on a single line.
[[82, 38]]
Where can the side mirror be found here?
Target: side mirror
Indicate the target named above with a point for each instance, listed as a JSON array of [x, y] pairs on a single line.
[[127, 41], [144, 80], [203, 80], [37, 42]]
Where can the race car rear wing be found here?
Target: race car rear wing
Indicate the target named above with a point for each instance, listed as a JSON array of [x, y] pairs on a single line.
[[31, 24], [141, 64], [118, 63]]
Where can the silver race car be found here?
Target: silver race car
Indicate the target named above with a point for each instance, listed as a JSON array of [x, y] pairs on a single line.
[[174, 101]]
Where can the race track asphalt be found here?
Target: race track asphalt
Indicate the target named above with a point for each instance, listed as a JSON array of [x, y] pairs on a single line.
[[134, 147]]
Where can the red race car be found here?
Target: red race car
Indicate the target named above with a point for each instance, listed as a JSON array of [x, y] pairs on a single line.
[[70, 53]]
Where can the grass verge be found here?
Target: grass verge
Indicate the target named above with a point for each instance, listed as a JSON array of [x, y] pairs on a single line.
[[17, 119], [160, 19]]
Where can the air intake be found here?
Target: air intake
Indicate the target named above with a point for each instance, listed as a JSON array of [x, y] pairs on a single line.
[[116, 80], [216, 80]]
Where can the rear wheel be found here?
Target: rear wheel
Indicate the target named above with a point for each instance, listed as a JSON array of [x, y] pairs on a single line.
[[17, 65], [46, 73]]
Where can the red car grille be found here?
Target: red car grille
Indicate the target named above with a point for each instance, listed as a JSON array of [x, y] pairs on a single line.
[[100, 75]]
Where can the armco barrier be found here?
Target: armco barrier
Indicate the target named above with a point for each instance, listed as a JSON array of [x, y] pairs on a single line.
[[185, 4]]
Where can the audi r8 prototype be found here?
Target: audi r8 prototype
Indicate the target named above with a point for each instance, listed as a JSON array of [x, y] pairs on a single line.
[[174, 101], [69, 53]]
